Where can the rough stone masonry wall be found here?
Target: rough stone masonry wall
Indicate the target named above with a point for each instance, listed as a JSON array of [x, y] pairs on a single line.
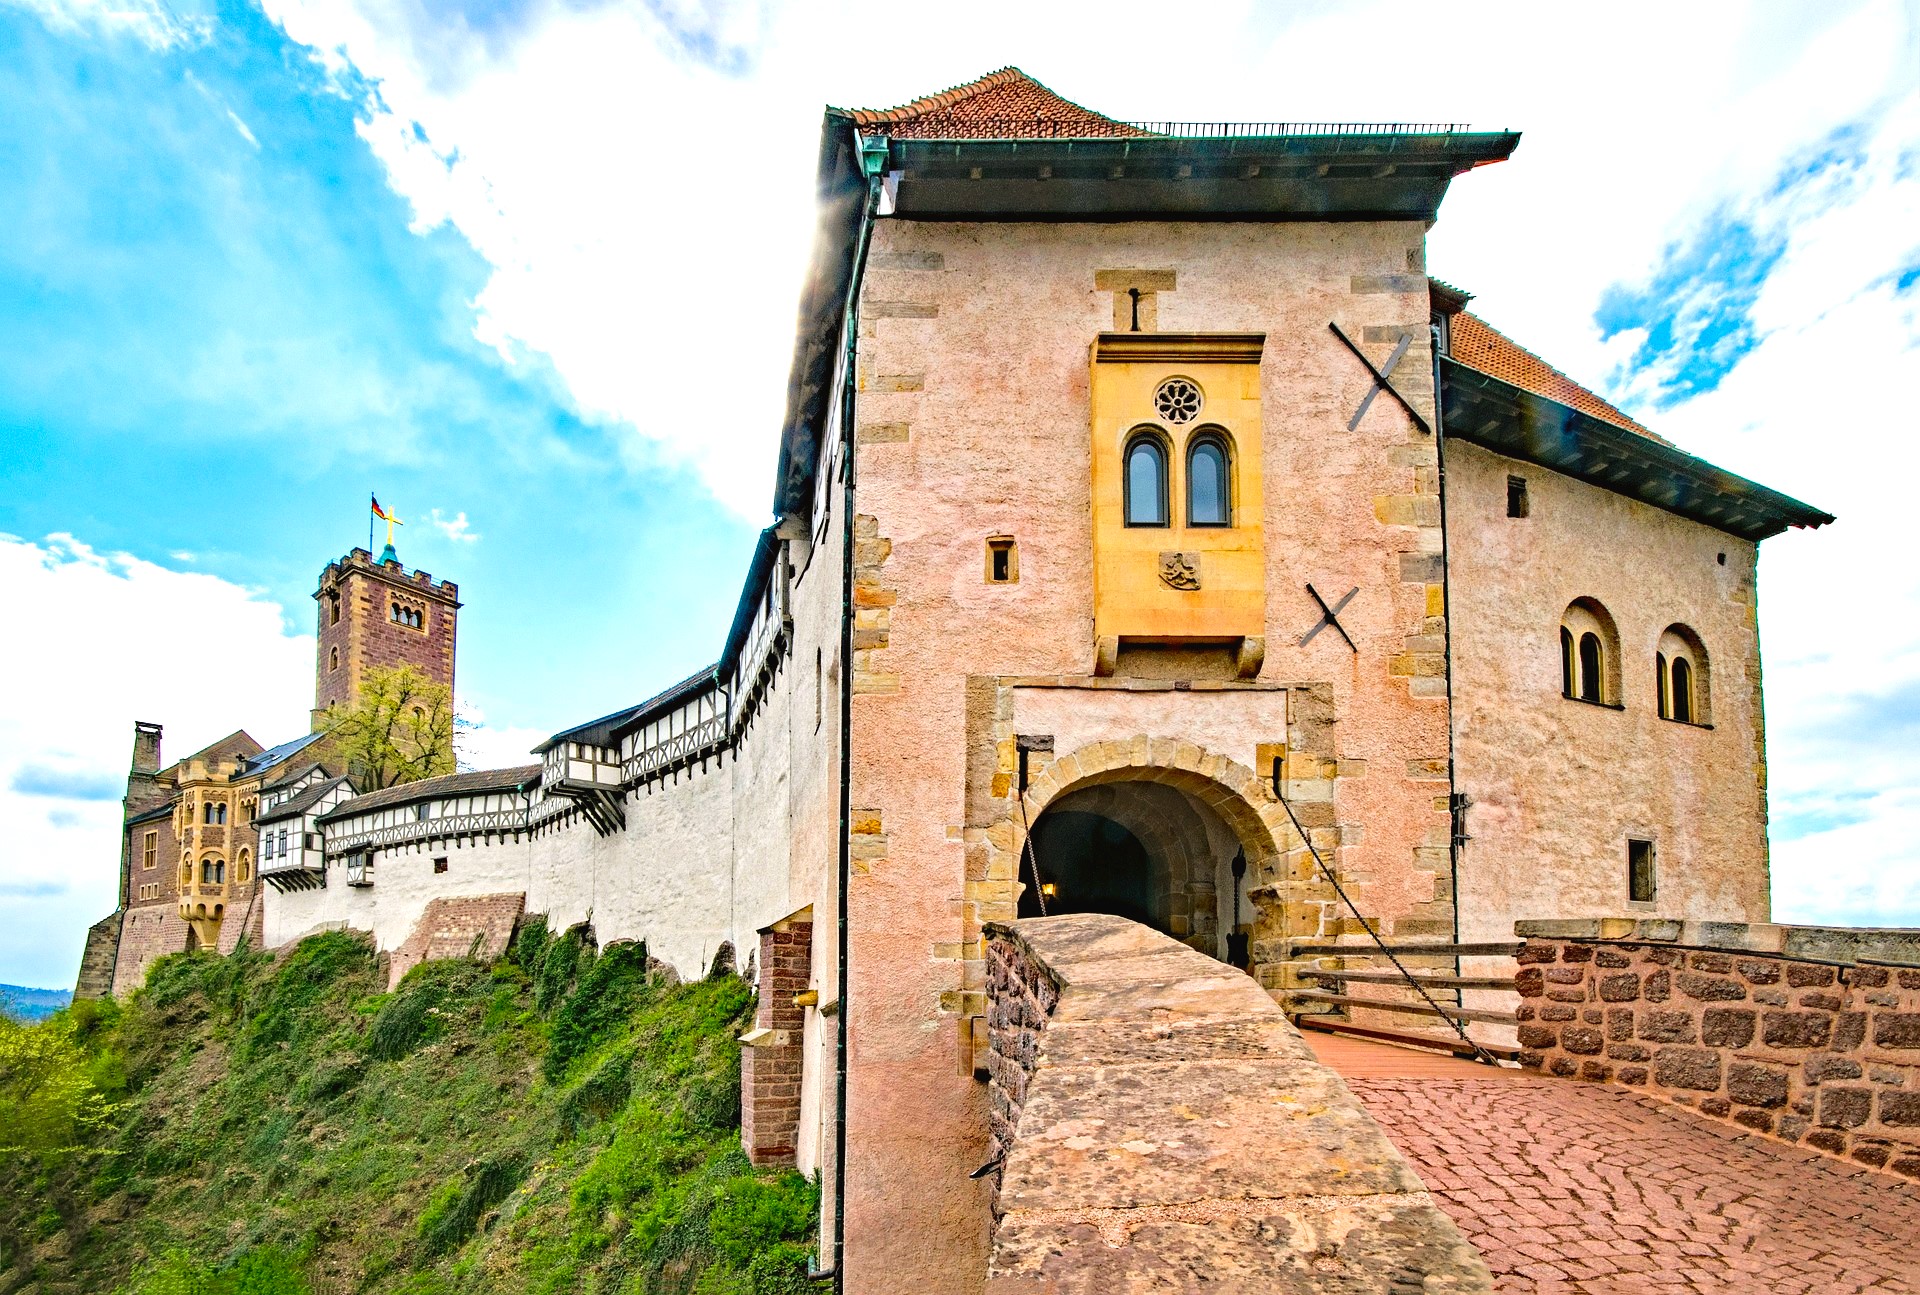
[[1158, 1125], [1805, 1034]]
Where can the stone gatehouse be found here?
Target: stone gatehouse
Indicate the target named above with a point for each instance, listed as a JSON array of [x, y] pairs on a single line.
[[1144, 515]]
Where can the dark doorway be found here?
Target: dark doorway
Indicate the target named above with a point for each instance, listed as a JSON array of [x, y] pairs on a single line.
[[1088, 864]]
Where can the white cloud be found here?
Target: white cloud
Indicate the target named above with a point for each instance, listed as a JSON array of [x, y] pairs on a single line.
[[455, 528], [105, 639], [153, 23]]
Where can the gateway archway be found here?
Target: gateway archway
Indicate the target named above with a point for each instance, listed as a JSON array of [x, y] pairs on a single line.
[[1140, 850]]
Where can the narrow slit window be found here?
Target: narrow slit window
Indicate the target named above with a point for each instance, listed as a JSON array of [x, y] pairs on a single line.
[[1660, 685], [1003, 567], [1566, 662], [1517, 503], [1146, 482], [1208, 503], [1640, 885]]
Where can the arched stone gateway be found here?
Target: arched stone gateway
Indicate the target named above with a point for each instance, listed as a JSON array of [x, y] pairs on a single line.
[[1147, 828]]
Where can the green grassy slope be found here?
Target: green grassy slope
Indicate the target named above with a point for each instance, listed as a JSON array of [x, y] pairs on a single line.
[[553, 1123]]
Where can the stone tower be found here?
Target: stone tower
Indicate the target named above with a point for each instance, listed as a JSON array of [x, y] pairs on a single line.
[[379, 614]]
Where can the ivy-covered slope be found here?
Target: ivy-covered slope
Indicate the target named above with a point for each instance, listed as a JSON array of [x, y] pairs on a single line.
[[553, 1123]]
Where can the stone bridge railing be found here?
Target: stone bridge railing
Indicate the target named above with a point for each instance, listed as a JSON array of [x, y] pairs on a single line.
[[1159, 1126], [1807, 1034]]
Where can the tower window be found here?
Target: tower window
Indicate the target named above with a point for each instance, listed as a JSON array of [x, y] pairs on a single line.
[[1680, 676], [220, 814], [1146, 481], [333, 609], [1517, 502], [1003, 560], [439, 865], [1209, 493], [1589, 649], [1640, 888], [1591, 662], [333, 659], [149, 847]]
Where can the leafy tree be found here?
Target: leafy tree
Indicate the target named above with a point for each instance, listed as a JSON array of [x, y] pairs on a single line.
[[400, 730], [49, 1102]]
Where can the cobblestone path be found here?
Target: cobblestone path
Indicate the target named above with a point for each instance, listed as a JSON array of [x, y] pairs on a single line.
[[1573, 1187]]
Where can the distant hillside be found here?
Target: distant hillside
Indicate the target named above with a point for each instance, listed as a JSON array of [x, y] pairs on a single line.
[[26, 1004], [553, 1123]]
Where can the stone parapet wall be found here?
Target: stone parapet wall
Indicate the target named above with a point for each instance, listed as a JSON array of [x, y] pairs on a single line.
[[1158, 1125], [1806, 1034], [465, 926]]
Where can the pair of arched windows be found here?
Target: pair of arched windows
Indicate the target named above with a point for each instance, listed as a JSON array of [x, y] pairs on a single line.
[[213, 872], [411, 617], [215, 813], [1589, 664], [1148, 481]]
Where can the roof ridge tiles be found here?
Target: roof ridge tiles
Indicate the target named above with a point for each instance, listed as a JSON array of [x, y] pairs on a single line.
[[1025, 107]]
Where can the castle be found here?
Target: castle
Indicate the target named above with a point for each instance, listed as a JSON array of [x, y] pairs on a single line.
[[1145, 515]]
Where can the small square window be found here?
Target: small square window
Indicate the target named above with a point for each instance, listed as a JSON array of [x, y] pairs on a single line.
[[1003, 560], [1640, 871], [1517, 503], [439, 865]]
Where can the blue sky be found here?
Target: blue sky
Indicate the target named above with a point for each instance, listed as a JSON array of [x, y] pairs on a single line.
[[501, 263]]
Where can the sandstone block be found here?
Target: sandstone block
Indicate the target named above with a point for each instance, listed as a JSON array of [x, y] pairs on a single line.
[[1796, 1029], [1697, 1069], [1752, 1084], [1845, 1108], [1726, 1027]]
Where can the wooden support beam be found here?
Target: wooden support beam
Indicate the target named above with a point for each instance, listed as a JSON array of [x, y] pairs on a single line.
[[1410, 1009], [1395, 978], [1490, 949]]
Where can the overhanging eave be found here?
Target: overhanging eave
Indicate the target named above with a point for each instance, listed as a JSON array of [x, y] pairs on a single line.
[[1485, 411]]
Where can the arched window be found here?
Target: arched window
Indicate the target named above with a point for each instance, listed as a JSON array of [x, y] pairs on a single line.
[[1592, 663], [1681, 667], [1209, 488], [243, 868], [1682, 690], [206, 872], [220, 814], [1589, 654], [1146, 483], [219, 872], [333, 609], [333, 658]]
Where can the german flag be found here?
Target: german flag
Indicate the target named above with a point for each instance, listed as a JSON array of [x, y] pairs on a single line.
[[378, 511]]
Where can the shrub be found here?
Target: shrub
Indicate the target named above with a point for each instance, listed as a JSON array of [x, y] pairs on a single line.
[[599, 1005], [453, 1214]]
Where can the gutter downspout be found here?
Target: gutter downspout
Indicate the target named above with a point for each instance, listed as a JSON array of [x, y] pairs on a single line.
[[873, 162], [1454, 808]]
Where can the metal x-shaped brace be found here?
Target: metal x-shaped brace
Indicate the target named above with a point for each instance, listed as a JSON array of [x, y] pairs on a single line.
[[1330, 616], [1380, 382]]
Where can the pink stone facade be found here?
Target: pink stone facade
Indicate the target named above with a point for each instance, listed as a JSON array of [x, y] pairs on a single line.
[[976, 447]]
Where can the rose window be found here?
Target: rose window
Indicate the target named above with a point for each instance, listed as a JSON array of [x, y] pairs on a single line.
[[1177, 400]]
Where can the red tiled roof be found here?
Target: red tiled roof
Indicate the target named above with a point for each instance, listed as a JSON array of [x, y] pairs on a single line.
[[1478, 345], [1007, 104]]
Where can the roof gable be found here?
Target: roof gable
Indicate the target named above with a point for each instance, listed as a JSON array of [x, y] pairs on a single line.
[[1007, 104]]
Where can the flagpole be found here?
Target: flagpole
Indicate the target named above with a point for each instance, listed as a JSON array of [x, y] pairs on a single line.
[[370, 499]]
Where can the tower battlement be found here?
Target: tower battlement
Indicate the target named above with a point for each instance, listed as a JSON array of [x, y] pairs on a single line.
[[374, 614]]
